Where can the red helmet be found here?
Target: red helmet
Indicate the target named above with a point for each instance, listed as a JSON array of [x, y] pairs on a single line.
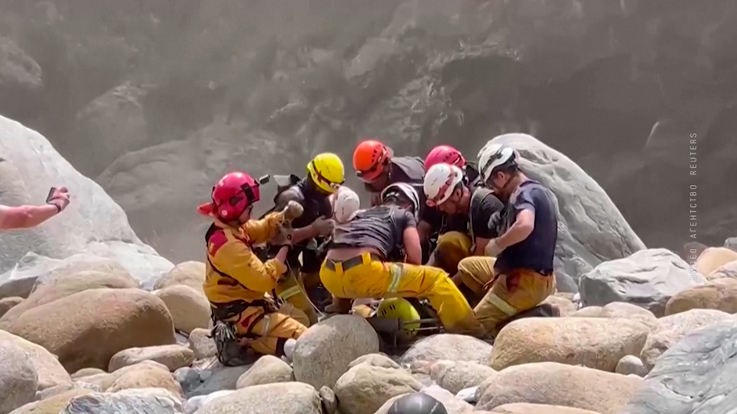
[[231, 196], [370, 158], [444, 154]]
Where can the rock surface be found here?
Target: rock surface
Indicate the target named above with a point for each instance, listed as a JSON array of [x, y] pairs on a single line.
[[591, 230], [53, 404], [377, 360], [50, 372], [592, 342], [171, 356], [118, 318], [719, 294], [713, 258], [365, 388], [709, 353], [523, 408], [150, 401], [190, 274], [648, 278], [558, 384], [147, 374], [728, 271], [452, 405], [631, 365], [672, 329], [203, 346], [99, 228], [18, 378], [449, 347], [9, 303], [455, 376], [188, 307], [619, 310], [284, 398], [267, 370], [324, 352]]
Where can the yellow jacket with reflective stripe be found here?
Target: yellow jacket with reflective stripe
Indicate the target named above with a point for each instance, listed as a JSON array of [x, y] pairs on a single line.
[[233, 271]]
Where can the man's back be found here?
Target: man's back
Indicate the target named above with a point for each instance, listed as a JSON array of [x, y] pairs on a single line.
[[380, 227]]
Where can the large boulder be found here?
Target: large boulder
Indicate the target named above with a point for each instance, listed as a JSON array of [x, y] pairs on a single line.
[[552, 383], [648, 278], [50, 372], [18, 378], [672, 329], [713, 258], [190, 273], [189, 308], [87, 328], [145, 400], [20, 78], [365, 388], [202, 344], [592, 342], [450, 347], [283, 398], [67, 285], [53, 404], [325, 350], [719, 294], [171, 356], [710, 356], [92, 223], [591, 230]]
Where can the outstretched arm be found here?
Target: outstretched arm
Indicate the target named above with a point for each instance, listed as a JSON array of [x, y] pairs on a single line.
[[25, 217]]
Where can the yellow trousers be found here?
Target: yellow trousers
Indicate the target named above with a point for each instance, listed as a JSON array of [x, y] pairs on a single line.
[[452, 247], [266, 334], [507, 293], [375, 279], [292, 290]]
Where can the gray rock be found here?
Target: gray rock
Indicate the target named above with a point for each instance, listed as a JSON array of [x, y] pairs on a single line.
[[18, 378], [142, 400], [731, 243], [188, 378], [696, 375], [93, 223], [218, 377], [460, 375], [364, 388], [323, 353], [283, 398], [377, 360], [648, 278], [449, 347], [171, 356], [267, 370], [195, 403], [631, 365], [202, 345], [329, 400], [591, 230]]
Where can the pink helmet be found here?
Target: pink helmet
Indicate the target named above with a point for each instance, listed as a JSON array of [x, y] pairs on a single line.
[[231, 196], [444, 154]]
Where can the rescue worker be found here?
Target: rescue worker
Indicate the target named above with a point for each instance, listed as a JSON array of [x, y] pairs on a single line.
[[363, 261], [246, 320], [445, 154], [526, 248], [446, 190], [345, 204], [376, 166], [325, 175], [417, 403], [25, 217]]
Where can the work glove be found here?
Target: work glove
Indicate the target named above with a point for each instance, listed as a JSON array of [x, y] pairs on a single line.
[[58, 197], [293, 210], [324, 226], [493, 248]]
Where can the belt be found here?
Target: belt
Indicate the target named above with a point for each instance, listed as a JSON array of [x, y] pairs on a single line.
[[350, 263]]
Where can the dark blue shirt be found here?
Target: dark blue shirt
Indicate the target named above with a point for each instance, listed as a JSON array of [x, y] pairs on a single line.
[[537, 251]]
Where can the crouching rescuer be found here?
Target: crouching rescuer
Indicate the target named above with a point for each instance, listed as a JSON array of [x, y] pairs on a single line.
[[364, 260], [523, 271], [248, 322]]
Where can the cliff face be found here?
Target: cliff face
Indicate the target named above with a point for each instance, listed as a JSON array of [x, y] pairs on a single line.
[[179, 93]]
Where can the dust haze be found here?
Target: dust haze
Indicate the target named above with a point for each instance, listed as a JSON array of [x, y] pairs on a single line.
[[156, 99]]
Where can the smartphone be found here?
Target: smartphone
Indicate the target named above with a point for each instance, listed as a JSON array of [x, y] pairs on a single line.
[[51, 193]]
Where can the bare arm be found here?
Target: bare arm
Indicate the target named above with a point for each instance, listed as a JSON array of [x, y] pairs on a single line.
[[520, 230], [25, 217], [480, 246], [424, 228], [412, 247]]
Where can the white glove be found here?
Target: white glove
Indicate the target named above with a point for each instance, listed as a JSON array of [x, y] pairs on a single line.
[[493, 248]]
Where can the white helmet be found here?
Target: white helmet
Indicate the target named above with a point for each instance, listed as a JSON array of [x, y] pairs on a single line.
[[493, 156], [440, 181], [345, 202], [405, 190]]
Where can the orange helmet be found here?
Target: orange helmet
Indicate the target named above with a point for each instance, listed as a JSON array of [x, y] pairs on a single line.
[[370, 159]]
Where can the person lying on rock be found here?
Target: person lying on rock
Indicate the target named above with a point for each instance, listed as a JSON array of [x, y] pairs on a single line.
[[522, 274], [247, 321], [325, 175], [446, 235], [25, 217], [364, 261], [469, 209]]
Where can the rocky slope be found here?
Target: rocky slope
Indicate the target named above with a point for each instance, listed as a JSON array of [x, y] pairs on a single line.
[[619, 87]]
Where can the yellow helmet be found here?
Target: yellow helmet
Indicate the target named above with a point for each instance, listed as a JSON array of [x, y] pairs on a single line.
[[327, 172], [402, 309]]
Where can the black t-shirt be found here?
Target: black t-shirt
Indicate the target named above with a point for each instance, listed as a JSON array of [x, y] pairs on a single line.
[[537, 251], [483, 205], [381, 227]]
